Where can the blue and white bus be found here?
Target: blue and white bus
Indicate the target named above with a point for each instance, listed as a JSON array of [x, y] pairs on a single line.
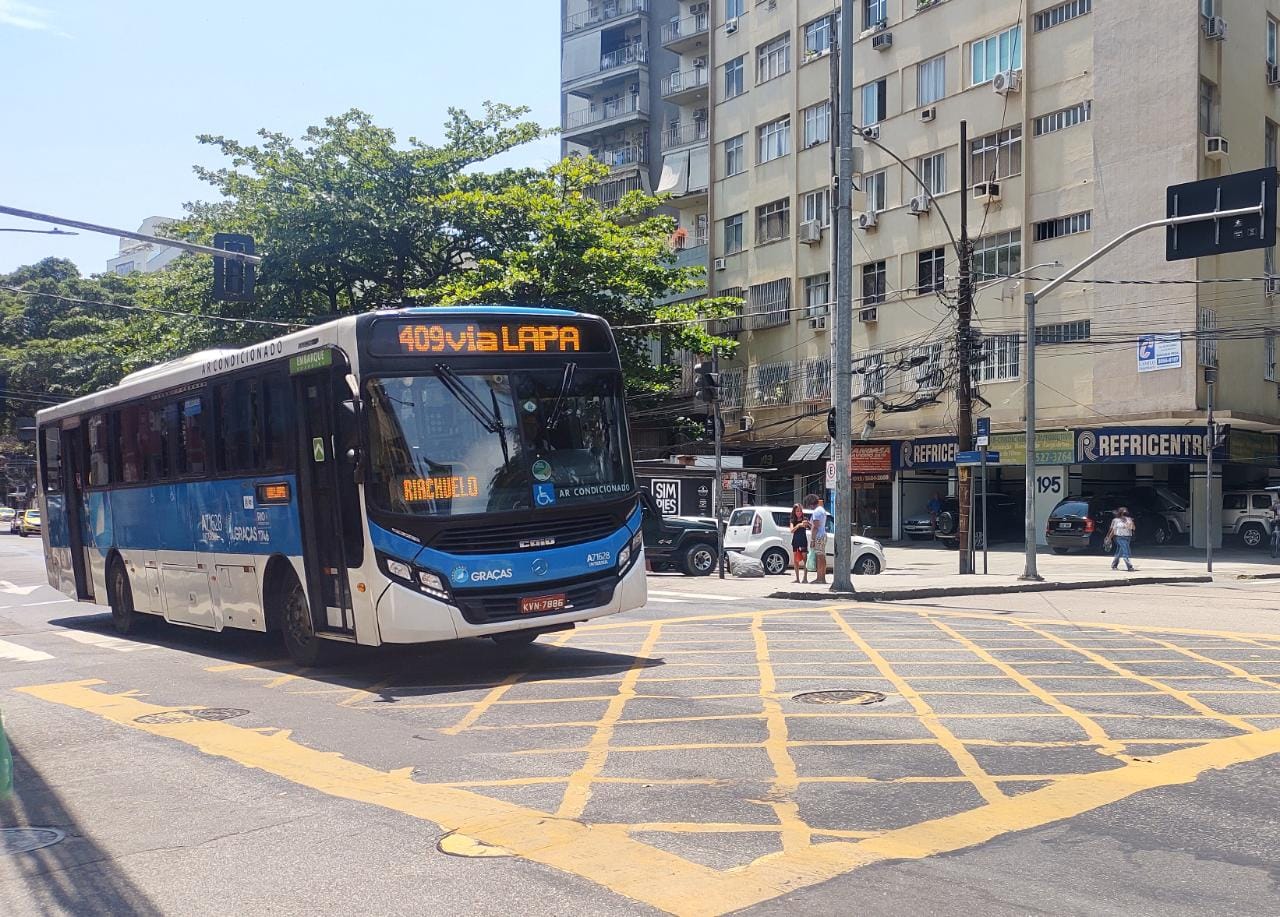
[[396, 477]]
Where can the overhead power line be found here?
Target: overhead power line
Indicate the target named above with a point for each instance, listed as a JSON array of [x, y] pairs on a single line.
[[171, 312]]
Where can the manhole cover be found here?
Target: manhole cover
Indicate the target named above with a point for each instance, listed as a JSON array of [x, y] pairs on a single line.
[[23, 840], [856, 698], [171, 717]]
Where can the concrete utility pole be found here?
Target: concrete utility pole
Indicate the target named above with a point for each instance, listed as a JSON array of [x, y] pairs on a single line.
[[842, 345], [1210, 443], [127, 234], [719, 485], [964, 352]]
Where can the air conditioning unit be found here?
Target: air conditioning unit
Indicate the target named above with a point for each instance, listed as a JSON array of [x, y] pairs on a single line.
[[1271, 285], [869, 404], [986, 192], [1006, 82], [818, 324], [920, 205], [867, 221], [699, 62], [867, 315], [1273, 74], [719, 264], [731, 25], [872, 132], [810, 232], [928, 114], [745, 423], [1215, 28], [1216, 148], [882, 41]]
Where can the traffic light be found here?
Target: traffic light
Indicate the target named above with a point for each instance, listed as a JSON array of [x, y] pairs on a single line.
[[831, 423], [232, 279], [706, 383]]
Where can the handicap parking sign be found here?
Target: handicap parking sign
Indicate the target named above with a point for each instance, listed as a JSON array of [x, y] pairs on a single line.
[[544, 494]]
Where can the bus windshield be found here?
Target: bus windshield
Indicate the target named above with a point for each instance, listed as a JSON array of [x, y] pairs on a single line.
[[450, 444]]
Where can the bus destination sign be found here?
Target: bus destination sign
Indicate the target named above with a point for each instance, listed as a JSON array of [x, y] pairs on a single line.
[[461, 337]]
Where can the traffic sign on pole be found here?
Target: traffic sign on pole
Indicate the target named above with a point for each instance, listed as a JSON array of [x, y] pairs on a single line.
[[1219, 236], [975, 458]]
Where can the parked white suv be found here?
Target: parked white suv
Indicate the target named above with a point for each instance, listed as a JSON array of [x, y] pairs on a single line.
[[763, 532], [1247, 514]]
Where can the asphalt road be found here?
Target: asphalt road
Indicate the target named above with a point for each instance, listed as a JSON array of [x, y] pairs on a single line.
[[1014, 758]]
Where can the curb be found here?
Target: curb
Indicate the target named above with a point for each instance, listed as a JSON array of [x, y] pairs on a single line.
[[1258, 576], [899, 595]]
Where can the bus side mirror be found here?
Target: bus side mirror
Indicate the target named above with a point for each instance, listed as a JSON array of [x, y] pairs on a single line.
[[349, 434]]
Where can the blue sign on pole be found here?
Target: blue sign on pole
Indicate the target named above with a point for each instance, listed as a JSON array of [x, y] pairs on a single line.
[[984, 426], [975, 458]]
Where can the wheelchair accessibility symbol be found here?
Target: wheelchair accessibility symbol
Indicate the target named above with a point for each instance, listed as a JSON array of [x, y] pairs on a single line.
[[544, 494]]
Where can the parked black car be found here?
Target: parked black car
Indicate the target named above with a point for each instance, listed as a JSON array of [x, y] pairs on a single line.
[[1082, 523], [685, 543], [1005, 515]]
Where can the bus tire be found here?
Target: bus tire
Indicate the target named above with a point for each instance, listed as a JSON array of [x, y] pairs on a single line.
[[125, 619], [294, 614]]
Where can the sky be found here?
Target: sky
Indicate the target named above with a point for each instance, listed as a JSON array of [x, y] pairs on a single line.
[[101, 100]]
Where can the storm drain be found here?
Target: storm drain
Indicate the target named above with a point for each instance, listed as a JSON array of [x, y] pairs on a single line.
[[854, 698], [14, 841], [207, 714]]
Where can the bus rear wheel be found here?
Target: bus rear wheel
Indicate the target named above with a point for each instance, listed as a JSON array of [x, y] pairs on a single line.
[[300, 640], [124, 617]]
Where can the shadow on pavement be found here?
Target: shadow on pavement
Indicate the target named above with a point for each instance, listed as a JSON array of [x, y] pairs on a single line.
[[73, 876]]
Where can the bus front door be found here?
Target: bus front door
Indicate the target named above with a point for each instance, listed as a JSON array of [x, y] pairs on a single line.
[[317, 396], [76, 496]]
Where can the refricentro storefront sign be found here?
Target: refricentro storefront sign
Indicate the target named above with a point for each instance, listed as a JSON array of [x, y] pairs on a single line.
[[1127, 445]]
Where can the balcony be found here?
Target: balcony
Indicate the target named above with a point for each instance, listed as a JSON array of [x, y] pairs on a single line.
[[681, 86], [602, 13], [607, 115], [623, 157], [614, 64], [686, 34], [684, 134]]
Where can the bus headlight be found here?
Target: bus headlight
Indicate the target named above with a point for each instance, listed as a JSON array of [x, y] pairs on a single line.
[[624, 557], [399, 569], [433, 583]]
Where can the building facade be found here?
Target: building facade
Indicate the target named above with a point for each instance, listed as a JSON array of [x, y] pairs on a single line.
[[1079, 115], [144, 257]]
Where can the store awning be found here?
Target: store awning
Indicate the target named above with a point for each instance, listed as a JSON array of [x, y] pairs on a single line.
[[810, 452]]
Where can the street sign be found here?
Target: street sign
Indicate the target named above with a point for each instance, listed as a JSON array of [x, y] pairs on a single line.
[[984, 426], [1216, 236], [975, 458], [982, 441]]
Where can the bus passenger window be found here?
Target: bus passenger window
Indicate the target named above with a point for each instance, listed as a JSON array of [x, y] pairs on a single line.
[[191, 447], [159, 441], [132, 421], [99, 452], [51, 457], [275, 422]]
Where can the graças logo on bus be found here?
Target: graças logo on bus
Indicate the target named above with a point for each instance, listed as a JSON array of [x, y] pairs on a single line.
[[460, 575]]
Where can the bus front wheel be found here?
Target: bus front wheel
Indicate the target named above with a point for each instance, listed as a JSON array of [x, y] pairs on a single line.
[[300, 640], [124, 617]]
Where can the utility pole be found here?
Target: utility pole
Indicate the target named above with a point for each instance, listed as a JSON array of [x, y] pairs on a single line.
[[1210, 443], [842, 344], [964, 350], [706, 388]]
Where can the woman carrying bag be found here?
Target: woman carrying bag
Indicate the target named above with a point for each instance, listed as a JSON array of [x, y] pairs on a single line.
[[799, 542]]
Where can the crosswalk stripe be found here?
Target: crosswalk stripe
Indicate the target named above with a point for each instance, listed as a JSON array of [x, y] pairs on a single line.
[[102, 641], [21, 653], [666, 601], [692, 595]]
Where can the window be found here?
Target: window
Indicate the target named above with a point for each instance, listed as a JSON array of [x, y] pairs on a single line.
[[770, 384], [1269, 358], [1206, 334], [998, 155], [1269, 144], [164, 435], [1064, 226], [1057, 15], [875, 102], [51, 459], [775, 140], [1208, 108], [929, 372], [1273, 57], [817, 124], [734, 8], [991, 55], [733, 233], [130, 420], [816, 373], [874, 12], [191, 445], [1269, 261], [876, 186], [931, 80], [773, 58], [871, 368], [819, 35], [735, 155], [125, 267], [277, 411], [1064, 118], [773, 222], [998, 255], [1260, 501], [817, 295], [770, 303], [99, 451], [999, 359], [873, 283], [1233, 501], [932, 170], [815, 207], [238, 433], [1206, 8], [931, 270], [733, 77], [1063, 332]]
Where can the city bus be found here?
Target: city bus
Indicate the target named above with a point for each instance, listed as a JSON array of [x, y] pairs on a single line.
[[403, 476]]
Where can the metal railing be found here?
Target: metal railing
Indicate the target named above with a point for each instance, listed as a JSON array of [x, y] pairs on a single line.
[[687, 27], [633, 154], [625, 56], [689, 132], [684, 80], [600, 112], [599, 13]]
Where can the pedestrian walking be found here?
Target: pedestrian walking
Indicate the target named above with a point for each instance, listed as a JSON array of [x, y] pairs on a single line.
[[935, 507], [1123, 528], [818, 536], [1275, 526], [800, 542]]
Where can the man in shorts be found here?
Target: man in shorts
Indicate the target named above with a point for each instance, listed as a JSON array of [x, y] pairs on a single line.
[[818, 534]]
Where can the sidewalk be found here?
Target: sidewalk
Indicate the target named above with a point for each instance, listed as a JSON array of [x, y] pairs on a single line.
[[919, 570]]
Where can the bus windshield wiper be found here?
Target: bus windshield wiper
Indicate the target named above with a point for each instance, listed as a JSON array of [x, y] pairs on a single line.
[[565, 381], [465, 397]]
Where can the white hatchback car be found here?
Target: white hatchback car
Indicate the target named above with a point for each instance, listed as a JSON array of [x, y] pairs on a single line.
[[764, 533]]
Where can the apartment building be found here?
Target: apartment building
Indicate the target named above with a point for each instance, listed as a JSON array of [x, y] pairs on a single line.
[[1080, 114]]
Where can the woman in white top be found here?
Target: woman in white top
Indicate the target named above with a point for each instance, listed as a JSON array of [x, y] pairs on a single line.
[[1123, 528]]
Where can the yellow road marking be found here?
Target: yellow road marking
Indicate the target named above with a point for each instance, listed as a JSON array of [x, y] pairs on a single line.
[[610, 857], [795, 833]]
